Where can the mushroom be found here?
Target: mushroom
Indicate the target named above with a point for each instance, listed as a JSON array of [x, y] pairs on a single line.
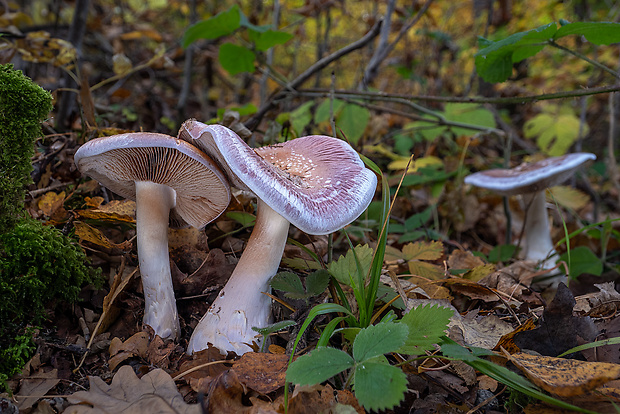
[[531, 180], [161, 173], [317, 183]]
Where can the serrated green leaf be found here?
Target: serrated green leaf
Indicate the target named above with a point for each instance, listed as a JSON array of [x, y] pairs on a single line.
[[599, 33], [427, 325], [319, 365], [221, 24], [582, 260], [316, 282], [289, 283], [236, 59], [352, 120], [269, 38], [378, 340], [322, 111], [494, 62], [379, 386], [345, 267]]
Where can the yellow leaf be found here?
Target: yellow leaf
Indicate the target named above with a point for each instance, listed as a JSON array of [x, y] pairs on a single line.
[[123, 211], [423, 250], [479, 272], [426, 270], [90, 234], [555, 130], [401, 163], [569, 197], [50, 202], [565, 377]]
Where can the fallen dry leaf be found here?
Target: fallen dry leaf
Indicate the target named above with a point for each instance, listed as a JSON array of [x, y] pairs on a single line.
[[90, 234], [50, 202], [226, 395], [155, 392], [564, 377], [34, 387], [260, 372], [136, 346], [123, 211]]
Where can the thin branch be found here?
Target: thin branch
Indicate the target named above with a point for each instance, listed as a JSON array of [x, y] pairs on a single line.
[[320, 92], [299, 80], [584, 57]]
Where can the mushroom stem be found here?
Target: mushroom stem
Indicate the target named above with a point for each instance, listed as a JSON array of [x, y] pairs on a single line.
[[538, 243], [241, 305], [153, 204]]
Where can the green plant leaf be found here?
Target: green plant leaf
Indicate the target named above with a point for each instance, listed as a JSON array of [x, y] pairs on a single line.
[[352, 120], [582, 260], [269, 38], [290, 284], [345, 267], [379, 386], [244, 218], [555, 130], [236, 59], [494, 62], [599, 33], [301, 117], [274, 327], [378, 340], [317, 281], [502, 253], [427, 325], [322, 111], [222, 24], [319, 365], [468, 114]]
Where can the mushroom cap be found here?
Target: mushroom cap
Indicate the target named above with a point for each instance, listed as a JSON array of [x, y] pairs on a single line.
[[318, 183], [530, 177], [118, 161]]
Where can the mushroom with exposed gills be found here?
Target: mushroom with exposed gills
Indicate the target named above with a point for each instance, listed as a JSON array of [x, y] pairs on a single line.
[[317, 183], [531, 180], [162, 174]]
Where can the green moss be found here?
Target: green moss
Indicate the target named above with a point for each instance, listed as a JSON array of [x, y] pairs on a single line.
[[39, 266], [23, 105]]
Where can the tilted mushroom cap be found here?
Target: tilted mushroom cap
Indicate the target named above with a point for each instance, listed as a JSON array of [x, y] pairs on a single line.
[[530, 178], [318, 183], [118, 161]]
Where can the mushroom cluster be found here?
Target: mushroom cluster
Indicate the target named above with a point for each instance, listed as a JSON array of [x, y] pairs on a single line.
[[317, 183], [162, 174], [530, 180]]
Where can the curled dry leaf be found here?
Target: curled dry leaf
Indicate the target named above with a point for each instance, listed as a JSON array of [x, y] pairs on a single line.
[[263, 373], [155, 392], [565, 377]]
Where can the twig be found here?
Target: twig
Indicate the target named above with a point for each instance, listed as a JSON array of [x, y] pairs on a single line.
[[459, 99], [299, 80], [584, 57]]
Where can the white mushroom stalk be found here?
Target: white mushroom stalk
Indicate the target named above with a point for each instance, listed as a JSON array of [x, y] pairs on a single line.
[[153, 204], [163, 174], [537, 237], [317, 183], [242, 303]]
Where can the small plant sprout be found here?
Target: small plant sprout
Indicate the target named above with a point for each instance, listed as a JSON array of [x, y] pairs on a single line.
[[317, 183], [161, 173], [531, 180]]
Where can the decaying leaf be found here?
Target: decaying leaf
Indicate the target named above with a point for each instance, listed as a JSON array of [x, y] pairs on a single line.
[[34, 387], [136, 346], [569, 197], [155, 392], [90, 234], [123, 211], [564, 377], [50, 202], [261, 372]]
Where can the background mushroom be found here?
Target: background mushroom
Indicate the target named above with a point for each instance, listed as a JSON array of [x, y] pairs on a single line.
[[161, 173], [531, 180], [317, 183]]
